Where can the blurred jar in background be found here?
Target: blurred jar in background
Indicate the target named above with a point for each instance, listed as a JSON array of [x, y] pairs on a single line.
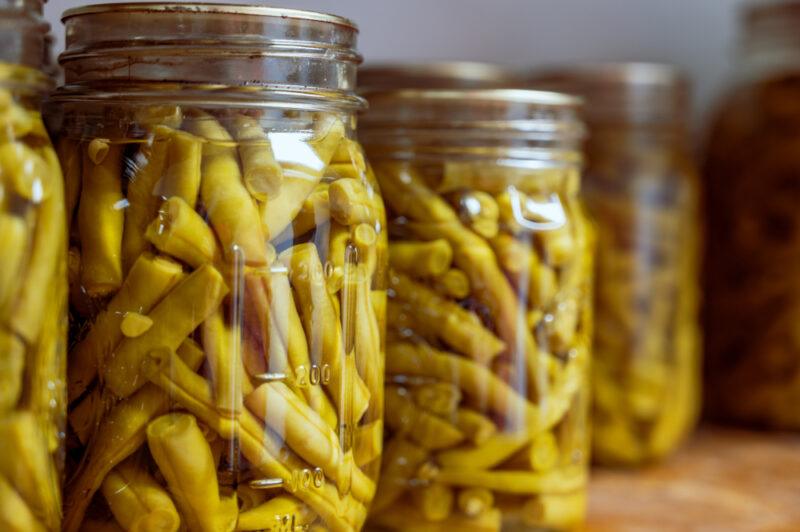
[[752, 175], [33, 282], [641, 188], [489, 314]]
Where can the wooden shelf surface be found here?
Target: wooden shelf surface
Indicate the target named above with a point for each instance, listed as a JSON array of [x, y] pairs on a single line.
[[725, 480]]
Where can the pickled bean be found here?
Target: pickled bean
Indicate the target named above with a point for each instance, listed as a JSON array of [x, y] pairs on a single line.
[[33, 292], [488, 345]]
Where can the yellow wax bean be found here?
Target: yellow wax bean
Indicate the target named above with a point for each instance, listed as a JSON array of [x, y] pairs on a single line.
[[181, 233], [223, 350], [401, 459], [368, 443], [351, 202], [459, 328], [17, 121], [440, 398], [15, 234], [338, 241], [557, 511], [84, 416], [492, 452], [15, 515], [434, 501], [28, 174], [12, 364], [98, 150], [184, 458], [367, 334], [143, 200], [26, 464], [178, 314], [349, 152], [479, 211], [134, 324], [137, 501], [475, 426], [263, 176], [272, 512], [424, 429], [100, 223], [233, 212], [148, 280], [181, 177], [44, 385], [453, 283], [47, 257], [421, 259], [475, 501]]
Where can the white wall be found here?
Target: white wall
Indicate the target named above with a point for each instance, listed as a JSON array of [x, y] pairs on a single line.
[[698, 35]]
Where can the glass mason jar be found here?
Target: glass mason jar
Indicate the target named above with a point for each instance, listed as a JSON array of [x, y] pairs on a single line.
[[33, 283], [641, 188], [752, 176], [227, 271], [489, 315]]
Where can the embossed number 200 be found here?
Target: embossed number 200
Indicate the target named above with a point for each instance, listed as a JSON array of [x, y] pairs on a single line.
[[314, 375]]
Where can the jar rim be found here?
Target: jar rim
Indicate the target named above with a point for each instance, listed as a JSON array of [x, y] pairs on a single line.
[[641, 93], [524, 96], [438, 74], [644, 74], [208, 7]]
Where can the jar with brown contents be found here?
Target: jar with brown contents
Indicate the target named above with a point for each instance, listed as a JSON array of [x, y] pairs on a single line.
[[33, 283], [641, 189], [227, 262], [752, 176], [489, 315]]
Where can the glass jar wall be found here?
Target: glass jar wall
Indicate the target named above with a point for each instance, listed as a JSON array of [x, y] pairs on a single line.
[[227, 271], [752, 177], [641, 189], [33, 287], [489, 315]]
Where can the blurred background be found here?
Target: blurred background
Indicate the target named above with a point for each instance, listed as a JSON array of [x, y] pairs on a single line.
[[698, 35]]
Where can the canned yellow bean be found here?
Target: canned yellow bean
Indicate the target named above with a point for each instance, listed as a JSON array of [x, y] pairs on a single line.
[[228, 252], [33, 286], [489, 315]]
